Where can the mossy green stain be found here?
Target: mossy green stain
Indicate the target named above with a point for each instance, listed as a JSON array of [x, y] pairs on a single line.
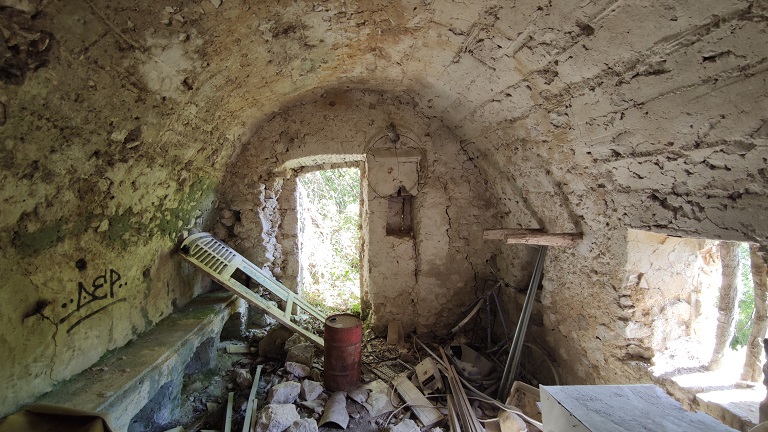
[[29, 243], [165, 221], [200, 192], [119, 225]]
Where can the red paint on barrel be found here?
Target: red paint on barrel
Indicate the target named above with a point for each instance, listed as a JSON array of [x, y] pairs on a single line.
[[343, 342]]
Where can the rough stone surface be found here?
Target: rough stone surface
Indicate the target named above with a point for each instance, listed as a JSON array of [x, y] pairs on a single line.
[[284, 393], [303, 425], [277, 417], [406, 425], [272, 345], [120, 134], [302, 353], [310, 390], [243, 378], [511, 422], [297, 369]]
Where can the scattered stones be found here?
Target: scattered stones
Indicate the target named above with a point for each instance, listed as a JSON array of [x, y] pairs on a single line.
[[284, 393], [310, 390], [295, 339], [297, 369], [273, 343], [303, 425], [243, 378], [277, 417], [316, 405], [406, 425], [511, 422], [302, 353]]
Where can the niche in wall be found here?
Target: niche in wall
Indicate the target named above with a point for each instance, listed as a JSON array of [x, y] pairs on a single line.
[[399, 220]]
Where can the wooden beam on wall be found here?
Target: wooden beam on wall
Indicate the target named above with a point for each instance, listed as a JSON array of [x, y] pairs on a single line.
[[532, 237]]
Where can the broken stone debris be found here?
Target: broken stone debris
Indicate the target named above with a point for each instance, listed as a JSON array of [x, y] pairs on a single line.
[[284, 393], [511, 422], [302, 353], [297, 401], [303, 425], [273, 344], [406, 425], [297, 369], [310, 390], [277, 417], [243, 378]]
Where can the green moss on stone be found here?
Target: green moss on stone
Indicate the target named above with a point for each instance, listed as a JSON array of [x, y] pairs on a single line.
[[29, 243], [119, 225], [164, 222]]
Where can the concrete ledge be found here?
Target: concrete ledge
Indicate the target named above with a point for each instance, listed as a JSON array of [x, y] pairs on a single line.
[[706, 391], [122, 382]]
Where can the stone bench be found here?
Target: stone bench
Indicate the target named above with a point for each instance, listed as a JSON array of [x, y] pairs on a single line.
[[151, 369]]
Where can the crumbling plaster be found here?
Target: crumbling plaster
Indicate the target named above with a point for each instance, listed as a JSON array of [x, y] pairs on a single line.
[[120, 118], [423, 280]]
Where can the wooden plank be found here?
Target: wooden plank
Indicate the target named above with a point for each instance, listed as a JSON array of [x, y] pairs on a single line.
[[289, 306], [501, 234], [228, 421], [238, 349], [545, 239], [247, 423], [532, 237], [412, 396]]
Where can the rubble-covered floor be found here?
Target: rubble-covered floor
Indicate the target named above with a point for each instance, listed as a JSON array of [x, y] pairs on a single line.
[[290, 389]]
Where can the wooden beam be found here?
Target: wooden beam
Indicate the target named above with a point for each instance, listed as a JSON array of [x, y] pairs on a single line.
[[533, 237], [501, 234]]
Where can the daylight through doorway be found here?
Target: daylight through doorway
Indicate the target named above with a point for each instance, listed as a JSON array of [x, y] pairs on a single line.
[[329, 238]]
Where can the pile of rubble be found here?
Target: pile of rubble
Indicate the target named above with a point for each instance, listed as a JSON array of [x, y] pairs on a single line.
[[405, 387]]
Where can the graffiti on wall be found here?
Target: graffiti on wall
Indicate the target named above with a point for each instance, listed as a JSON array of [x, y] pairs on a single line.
[[96, 297]]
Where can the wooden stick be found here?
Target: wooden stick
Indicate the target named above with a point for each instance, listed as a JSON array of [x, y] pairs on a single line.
[[228, 422], [532, 237], [501, 234], [247, 423]]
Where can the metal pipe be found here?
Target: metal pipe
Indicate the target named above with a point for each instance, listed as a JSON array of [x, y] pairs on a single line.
[[513, 360]]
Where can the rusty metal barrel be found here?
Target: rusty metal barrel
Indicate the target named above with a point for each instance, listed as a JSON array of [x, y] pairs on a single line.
[[343, 342]]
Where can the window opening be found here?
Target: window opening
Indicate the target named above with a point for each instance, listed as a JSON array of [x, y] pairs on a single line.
[[671, 297]]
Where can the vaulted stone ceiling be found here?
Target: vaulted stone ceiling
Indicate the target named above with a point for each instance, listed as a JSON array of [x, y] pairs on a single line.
[[121, 118]]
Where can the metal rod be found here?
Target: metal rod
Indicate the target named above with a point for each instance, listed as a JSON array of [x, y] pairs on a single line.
[[513, 360]]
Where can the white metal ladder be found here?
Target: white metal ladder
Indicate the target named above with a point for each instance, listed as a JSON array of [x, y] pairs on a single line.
[[220, 262]]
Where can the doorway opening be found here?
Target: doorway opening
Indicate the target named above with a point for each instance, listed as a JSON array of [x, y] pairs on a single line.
[[329, 238]]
